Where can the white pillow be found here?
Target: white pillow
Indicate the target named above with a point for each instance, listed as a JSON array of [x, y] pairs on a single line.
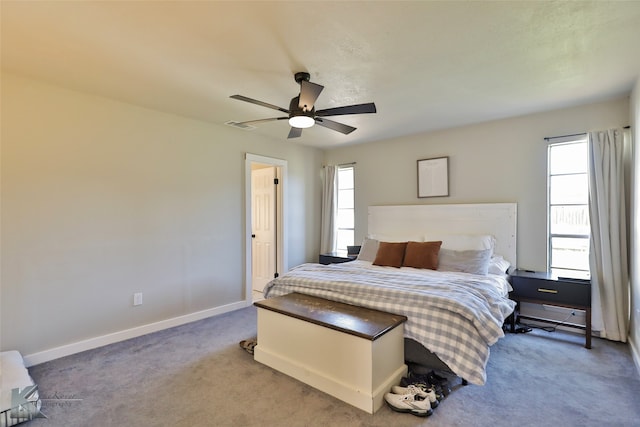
[[498, 265], [463, 242], [368, 250]]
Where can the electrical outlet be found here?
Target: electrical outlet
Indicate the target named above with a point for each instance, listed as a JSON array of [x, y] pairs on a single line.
[[137, 298]]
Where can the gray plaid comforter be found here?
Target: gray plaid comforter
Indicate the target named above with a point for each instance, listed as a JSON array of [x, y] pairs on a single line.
[[457, 316]]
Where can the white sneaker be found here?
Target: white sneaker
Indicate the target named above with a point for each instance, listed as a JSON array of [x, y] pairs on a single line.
[[417, 391], [408, 403]]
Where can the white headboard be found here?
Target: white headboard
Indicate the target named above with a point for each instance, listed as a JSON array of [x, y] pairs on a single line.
[[496, 219]]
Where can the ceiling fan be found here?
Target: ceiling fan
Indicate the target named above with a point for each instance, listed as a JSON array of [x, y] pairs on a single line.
[[302, 113]]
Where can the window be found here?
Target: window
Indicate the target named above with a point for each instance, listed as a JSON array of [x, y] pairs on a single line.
[[346, 212], [568, 209]]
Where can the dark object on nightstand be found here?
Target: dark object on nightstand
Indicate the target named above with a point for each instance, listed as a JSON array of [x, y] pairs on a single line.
[[353, 250], [335, 258], [545, 288]]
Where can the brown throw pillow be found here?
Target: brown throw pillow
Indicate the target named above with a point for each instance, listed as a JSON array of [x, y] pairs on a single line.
[[390, 254], [422, 255]]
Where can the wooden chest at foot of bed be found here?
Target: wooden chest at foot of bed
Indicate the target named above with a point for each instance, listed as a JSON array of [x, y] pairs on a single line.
[[352, 353]]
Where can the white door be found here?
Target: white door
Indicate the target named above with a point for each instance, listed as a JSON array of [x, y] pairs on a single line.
[[263, 220]]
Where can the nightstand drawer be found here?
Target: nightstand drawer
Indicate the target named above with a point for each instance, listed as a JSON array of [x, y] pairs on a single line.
[[561, 291]]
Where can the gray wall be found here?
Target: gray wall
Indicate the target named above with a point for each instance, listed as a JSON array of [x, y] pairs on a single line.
[[498, 161], [101, 199]]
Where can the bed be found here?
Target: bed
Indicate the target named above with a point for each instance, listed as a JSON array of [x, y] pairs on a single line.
[[455, 308]]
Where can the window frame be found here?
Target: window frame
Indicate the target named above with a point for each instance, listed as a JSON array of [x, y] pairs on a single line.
[[338, 208], [564, 270]]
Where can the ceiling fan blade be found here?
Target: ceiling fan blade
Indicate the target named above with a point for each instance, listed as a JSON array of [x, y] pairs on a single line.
[[262, 120], [309, 92], [255, 101], [295, 132], [348, 109], [340, 127]]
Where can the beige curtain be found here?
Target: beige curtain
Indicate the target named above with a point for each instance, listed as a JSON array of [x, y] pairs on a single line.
[[608, 166], [329, 207]]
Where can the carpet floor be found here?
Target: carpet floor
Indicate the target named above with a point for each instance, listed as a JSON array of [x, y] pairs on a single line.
[[197, 375]]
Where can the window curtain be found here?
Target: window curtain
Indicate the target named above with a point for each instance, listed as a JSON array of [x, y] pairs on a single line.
[[329, 206], [609, 160]]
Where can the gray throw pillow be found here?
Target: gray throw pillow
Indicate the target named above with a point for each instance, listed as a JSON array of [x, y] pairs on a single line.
[[474, 262]]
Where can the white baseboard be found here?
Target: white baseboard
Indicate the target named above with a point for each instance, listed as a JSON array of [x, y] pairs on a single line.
[[91, 343]]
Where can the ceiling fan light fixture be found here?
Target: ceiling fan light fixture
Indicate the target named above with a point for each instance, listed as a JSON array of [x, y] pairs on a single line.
[[302, 112], [301, 122]]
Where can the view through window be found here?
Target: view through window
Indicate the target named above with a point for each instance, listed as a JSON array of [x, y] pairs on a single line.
[[346, 212], [568, 209]]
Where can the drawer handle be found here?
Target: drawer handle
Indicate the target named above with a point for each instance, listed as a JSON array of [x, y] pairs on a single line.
[[549, 291]]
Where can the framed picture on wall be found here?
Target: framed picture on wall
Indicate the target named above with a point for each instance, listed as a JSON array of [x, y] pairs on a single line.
[[433, 177]]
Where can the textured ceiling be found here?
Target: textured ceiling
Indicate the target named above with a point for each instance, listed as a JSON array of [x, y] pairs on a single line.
[[426, 65]]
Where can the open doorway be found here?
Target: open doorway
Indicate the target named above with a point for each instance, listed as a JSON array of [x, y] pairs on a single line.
[[265, 226]]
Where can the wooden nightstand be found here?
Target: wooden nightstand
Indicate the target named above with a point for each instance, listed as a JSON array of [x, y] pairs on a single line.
[[335, 258], [545, 288]]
